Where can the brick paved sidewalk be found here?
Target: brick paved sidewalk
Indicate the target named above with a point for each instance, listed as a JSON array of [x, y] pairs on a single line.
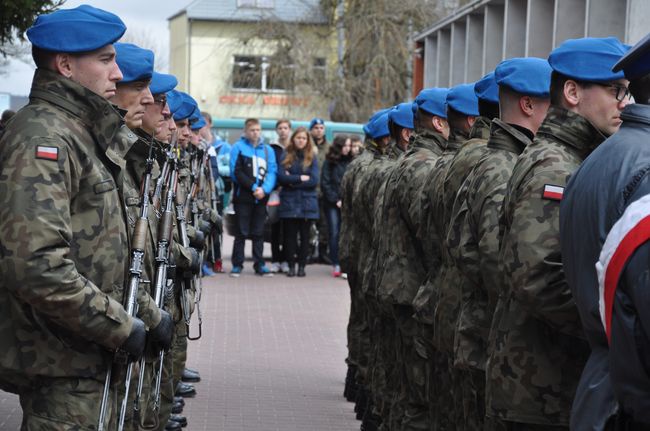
[[271, 356]]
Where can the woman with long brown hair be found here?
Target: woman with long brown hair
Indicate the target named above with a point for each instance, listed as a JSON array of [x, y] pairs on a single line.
[[298, 175]]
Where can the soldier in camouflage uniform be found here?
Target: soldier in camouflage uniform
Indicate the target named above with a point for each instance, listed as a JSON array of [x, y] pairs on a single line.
[[62, 287], [473, 232], [366, 190], [486, 92], [537, 345]]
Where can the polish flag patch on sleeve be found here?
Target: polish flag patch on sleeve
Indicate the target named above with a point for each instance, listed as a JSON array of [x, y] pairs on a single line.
[[553, 193], [47, 153]]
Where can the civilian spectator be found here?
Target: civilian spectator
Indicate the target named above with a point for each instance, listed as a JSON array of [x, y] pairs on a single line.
[[254, 170], [357, 145], [336, 162], [279, 262], [298, 175], [221, 165], [317, 131]]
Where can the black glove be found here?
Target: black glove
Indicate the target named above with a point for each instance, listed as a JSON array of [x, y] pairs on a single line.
[[204, 226], [161, 335], [197, 240], [214, 218], [134, 344], [195, 265]]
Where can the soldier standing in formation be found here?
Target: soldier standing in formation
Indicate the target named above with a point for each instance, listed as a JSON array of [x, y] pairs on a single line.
[[471, 322]]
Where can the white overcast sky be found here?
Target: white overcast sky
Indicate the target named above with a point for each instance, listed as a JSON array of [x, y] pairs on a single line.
[[144, 16]]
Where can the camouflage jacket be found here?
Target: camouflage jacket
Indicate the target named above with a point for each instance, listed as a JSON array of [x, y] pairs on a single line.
[[349, 235], [473, 241], [402, 265], [321, 154], [372, 200], [63, 234], [537, 349]]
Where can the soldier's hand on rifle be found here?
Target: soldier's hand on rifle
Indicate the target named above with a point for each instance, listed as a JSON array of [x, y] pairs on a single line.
[[214, 218], [161, 335], [197, 239], [134, 344], [195, 264]]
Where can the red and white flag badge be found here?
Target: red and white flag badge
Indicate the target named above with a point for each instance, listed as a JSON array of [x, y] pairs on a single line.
[[553, 192], [47, 153]]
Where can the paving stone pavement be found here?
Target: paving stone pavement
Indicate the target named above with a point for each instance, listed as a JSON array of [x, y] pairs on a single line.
[[271, 356]]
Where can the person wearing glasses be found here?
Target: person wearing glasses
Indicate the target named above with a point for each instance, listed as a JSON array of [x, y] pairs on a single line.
[[537, 348]]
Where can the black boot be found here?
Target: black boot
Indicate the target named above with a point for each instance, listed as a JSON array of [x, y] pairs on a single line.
[[350, 392], [301, 270], [362, 403], [292, 270]]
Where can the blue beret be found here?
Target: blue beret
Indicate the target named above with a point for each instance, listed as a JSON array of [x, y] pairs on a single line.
[[530, 76], [81, 29], [462, 98], [378, 127], [588, 59], [433, 101], [135, 63], [162, 83], [636, 63], [174, 100], [372, 118], [187, 108], [197, 121], [402, 115], [315, 121], [487, 89]]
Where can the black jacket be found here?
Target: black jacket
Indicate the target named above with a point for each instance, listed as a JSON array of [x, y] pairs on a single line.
[[601, 202], [331, 177]]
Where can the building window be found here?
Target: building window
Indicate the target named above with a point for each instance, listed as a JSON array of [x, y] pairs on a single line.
[[261, 74], [260, 4]]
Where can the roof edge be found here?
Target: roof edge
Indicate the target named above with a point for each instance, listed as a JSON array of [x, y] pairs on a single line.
[[465, 10]]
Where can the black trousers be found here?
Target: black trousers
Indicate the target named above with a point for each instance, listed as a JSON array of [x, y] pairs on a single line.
[[277, 250], [292, 251], [250, 224]]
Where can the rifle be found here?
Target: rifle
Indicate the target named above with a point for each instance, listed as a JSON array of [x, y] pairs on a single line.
[[135, 274]]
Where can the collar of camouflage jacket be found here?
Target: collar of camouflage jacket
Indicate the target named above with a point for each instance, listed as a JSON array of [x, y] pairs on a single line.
[[480, 129], [503, 136], [571, 129], [100, 117], [428, 139], [456, 139]]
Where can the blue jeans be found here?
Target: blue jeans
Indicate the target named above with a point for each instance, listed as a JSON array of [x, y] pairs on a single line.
[[333, 214]]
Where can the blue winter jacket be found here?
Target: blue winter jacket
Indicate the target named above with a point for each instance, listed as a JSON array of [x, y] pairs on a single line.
[[298, 199], [252, 167]]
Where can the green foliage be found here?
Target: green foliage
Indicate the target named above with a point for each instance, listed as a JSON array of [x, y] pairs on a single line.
[[18, 15]]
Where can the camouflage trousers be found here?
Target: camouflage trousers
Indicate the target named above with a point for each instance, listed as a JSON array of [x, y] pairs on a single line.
[[493, 424], [179, 352], [358, 331], [167, 390], [53, 404], [472, 388], [411, 410], [442, 401]]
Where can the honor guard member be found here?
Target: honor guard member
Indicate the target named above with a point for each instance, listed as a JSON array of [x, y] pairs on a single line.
[[469, 388], [473, 241], [539, 349], [63, 230], [358, 333], [603, 225], [366, 194]]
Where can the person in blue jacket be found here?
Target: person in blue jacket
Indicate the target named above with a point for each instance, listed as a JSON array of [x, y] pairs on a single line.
[[253, 169], [298, 175]]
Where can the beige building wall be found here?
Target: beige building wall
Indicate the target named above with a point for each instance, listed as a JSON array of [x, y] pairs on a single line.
[[213, 46]]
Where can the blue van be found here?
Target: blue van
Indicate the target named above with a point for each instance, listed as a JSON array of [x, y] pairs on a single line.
[[230, 129]]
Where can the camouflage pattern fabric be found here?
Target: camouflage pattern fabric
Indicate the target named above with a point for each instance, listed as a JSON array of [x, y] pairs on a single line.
[[473, 244], [537, 350]]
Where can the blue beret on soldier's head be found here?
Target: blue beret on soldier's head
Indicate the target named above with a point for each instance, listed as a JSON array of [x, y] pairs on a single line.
[[196, 120], [135, 63], [487, 88], [530, 76], [636, 63], [462, 98], [82, 29], [162, 83], [378, 127], [402, 115], [588, 59], [187, 108], [433, 101], [315, 121], [174, 100]]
